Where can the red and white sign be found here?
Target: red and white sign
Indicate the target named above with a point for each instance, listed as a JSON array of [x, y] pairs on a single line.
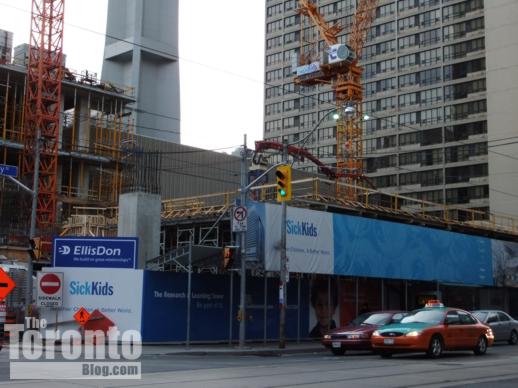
[[50, 289]]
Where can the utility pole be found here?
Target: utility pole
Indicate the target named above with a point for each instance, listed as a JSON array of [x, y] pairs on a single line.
[[283, 273], [32, 230], [242, 294]]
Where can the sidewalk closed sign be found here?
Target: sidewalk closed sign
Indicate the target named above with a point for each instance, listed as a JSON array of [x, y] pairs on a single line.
[[50, 289]]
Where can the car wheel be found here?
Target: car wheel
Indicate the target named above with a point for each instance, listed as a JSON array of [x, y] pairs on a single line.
[[481, 347], [385, 354], [338, 351], [513, 340], [435, 348]]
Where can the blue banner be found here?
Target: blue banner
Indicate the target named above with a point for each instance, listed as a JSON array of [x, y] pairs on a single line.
[[328, 243], [97, 252], [164, 315], [385, 249]]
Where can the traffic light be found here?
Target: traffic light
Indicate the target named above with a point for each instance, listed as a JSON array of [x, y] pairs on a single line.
[[283, 174], [229, 255]]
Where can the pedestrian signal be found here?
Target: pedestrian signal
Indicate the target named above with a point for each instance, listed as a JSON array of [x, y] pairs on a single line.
[[229, 255]]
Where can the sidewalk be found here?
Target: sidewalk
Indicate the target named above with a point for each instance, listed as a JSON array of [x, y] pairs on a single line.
[[254, 349]]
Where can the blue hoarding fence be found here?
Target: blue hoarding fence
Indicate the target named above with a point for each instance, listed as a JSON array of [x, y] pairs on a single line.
[[8, 170], [165, 301], [96, 252]]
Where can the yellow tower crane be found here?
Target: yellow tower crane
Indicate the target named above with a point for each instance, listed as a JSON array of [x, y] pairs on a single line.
[[338, 66]]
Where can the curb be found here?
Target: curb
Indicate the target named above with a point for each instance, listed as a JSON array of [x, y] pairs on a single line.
[[244, 352]]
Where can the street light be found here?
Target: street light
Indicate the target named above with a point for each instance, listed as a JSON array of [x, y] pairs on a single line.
[[283, 272]]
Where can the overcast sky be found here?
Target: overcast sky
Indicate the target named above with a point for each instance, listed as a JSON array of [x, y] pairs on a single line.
[[221, 61]]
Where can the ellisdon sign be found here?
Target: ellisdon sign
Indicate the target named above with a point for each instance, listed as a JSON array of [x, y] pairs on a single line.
[[98, 252]]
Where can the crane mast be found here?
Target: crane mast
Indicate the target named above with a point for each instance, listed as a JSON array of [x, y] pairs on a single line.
[[338, 67], [42, 108]]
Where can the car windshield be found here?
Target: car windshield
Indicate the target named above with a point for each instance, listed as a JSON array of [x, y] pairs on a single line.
[[425, 316], [480, 315], [378, 319], [359, 319]]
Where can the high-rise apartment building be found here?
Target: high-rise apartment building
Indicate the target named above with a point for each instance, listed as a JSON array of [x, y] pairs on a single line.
[[431, 70]]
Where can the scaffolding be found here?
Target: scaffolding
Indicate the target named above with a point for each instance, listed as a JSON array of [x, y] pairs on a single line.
[[319, 194], [94, 133]]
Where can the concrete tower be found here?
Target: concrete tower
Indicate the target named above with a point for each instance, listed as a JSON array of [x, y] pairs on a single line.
[[141, 50]]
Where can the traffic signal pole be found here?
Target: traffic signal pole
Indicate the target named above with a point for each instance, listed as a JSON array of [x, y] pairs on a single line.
[[283, 271], [32, 230], [242, 291]]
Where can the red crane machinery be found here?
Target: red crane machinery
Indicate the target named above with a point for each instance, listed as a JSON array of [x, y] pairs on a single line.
[[338, 66], [42, 107]]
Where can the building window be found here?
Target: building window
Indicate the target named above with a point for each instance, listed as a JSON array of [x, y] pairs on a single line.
[[464, 173], [459, 10], [460, 50], [274, 26], [463, 111], [461, 70], [274, 42], [274, 10], [464, 131]]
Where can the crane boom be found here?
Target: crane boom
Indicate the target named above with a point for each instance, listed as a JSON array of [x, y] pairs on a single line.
[[364, 16], [327, 32]]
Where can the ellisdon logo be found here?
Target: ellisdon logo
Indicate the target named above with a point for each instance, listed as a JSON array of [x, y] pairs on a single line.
[[85, 250], [90, 288], [301, 228]]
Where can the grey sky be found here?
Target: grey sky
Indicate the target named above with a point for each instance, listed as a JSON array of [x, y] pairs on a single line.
[[221, 61]]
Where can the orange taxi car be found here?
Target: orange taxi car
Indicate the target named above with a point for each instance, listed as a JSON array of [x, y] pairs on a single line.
[[433, 329]]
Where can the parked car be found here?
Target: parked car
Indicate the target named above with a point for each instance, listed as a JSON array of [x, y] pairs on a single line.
[[357, 334], [433, 329], [504, 327]]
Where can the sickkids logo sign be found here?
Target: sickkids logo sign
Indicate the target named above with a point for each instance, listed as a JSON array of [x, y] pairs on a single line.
[[301, 228], [90, 288]]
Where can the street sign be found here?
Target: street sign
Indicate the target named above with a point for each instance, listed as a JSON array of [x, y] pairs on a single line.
[[82, 316], [97, 252], [8, 170], [50, 289], [6, 284], [98, 321], [239, 219]]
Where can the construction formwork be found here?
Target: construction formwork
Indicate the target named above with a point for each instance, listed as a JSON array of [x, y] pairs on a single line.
[[94, 129], [6, 46]]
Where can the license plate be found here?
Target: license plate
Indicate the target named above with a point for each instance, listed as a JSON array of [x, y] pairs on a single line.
[[336, 344], [388, 341]]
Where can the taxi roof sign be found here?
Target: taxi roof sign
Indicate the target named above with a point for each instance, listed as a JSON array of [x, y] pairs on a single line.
[[434, 303]]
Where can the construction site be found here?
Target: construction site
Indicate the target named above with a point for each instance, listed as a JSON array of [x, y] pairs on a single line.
[[78, 151], [91, 153]]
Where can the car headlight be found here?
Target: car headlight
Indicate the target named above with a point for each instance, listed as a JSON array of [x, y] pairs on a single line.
[[412, 333], [489, 332], [327, 336], [376, 333]]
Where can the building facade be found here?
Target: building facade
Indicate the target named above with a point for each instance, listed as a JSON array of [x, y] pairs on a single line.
[[426, 81]]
